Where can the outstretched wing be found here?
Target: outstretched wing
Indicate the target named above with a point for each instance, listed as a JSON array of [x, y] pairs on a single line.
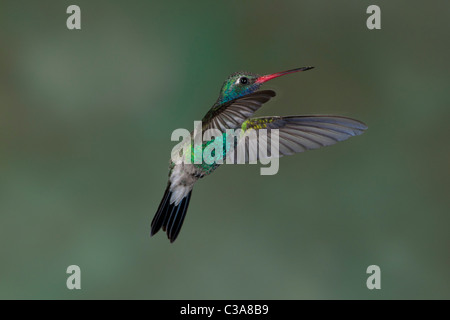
[[298, 133], [232, 114]]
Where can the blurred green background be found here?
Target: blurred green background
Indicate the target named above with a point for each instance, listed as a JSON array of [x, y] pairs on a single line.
[[85, 124]]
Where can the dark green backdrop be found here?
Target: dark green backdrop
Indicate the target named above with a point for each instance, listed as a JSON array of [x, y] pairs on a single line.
[[85, 124]]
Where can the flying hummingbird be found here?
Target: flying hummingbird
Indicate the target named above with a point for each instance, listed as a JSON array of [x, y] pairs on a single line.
[[238, 100]]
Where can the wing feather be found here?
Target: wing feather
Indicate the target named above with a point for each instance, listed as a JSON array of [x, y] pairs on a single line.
[[232, 114], [301, 133]]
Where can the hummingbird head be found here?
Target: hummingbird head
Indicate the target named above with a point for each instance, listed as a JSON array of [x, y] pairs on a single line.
[[242, 83]]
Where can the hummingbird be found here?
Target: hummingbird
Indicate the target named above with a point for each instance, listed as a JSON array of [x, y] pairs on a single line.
[[238, 100]]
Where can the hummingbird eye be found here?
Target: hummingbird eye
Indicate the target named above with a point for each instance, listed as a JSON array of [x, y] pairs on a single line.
[[243, 80]]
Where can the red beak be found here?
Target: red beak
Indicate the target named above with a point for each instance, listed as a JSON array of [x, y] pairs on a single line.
[[268, 77]]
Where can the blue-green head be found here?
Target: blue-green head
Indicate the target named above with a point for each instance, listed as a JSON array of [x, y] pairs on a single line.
[[237, 85]]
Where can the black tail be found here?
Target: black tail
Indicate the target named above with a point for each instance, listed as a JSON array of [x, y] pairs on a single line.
[[169, 216]]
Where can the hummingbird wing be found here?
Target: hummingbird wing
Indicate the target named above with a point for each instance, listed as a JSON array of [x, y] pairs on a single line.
[[232, 114], [298, 133]]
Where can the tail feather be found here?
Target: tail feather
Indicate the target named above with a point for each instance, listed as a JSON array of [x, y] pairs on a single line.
[[159, 217], [169, 216], [174, 225]]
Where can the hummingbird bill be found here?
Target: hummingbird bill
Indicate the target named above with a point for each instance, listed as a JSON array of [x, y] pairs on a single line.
[[238, 100]]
